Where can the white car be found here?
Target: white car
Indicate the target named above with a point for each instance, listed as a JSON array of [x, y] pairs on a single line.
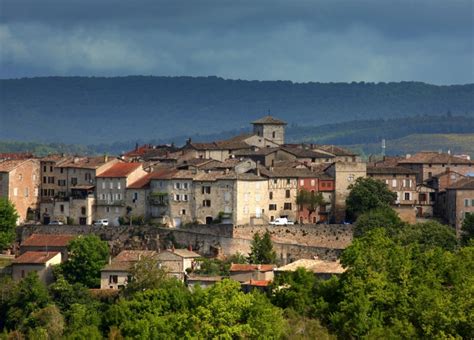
[[55, 222], [99, 223], [282, 221]]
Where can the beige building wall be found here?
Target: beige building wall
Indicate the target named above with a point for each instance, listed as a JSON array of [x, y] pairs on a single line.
[[459, 204], [273, 132], [251, 202], [107, 279], [282, 193], [403, 185], [137, 200]]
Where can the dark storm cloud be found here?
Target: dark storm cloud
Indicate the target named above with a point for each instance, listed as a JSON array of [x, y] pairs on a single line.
[[334, 40]]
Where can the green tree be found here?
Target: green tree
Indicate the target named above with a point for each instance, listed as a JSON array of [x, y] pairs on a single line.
[[467, 229], [8, 219], [87, 255], [381, 217], [146, 274], [48, 319], [428, 235], [65, 294], [309, 200], [367, 194], [261, 249]]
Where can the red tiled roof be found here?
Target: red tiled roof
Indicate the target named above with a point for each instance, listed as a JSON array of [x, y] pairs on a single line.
[[39, 240], [258, 283], [16, 155], [434, 158], [9, 165], [36, 257], [120, 170], [237, 267], [141, 183], [463, 184]]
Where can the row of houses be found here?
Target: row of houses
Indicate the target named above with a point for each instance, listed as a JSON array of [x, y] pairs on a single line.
[[41, 252], [252, 178]]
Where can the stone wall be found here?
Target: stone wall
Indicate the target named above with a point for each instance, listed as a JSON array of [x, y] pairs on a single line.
[[290, 242]]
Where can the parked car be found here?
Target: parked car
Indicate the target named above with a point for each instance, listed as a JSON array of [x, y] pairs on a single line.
[[55, 222], [102, 222], [282, 221]]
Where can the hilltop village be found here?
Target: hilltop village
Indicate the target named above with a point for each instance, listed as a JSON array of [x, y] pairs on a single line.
[[253, 180]]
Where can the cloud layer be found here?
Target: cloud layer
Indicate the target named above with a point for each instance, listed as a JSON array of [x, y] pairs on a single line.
[[328, 40]]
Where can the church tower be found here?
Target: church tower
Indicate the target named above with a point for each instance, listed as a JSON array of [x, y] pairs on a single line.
[[270, 128]]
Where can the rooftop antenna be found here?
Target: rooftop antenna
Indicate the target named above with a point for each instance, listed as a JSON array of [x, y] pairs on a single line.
[[383, 147]]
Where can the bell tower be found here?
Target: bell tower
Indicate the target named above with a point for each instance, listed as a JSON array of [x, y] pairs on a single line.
[[270, 128]]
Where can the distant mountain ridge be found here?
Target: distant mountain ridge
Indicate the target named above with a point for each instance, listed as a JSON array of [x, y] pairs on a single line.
[[92, 110]]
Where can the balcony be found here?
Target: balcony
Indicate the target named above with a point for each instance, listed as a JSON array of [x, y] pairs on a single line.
[[118, 203]]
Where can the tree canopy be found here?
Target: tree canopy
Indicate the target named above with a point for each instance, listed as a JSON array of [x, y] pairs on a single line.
[[367, 194], [309, 200], [467, 229], [8, 219], [381, 217], [87, 255], [261, 249]]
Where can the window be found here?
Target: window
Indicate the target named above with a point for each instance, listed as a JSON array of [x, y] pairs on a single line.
[[301, 182], [177, 185], [176, 197], [103, 184], [61, 170], [15, 191], [44, 168], [313, 182], [83, 210], [20, 177], [430, 174], [185, 186], [135, 196], [287, 193], [466, 202], [288, 181], [273, 134], [111, 185], [113, 279], [185, 198], [61, 207], [275, 181], [270, 195], [287, 206], [118, 197], [107, 209], [119, 185], [51, 168], [206, 203], [44, 179], [27, 192], [272, 207], [323, 184], [87, 176], [45, 192], [183, 212], [407, 196], [206, 190], [394, 183], [36, 192]]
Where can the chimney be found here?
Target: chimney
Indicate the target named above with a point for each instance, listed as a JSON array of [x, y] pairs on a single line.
[[408, 156], [75, 160], [106, 158], [190, 247]]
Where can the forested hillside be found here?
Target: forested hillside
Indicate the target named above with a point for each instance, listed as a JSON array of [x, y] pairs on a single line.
[[90, 110]]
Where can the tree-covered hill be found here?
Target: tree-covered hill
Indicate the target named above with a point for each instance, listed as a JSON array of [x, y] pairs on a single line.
[[91, 110]]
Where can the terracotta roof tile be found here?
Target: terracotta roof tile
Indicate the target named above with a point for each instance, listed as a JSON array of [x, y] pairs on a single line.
[[35, 257], [120, 170], [388, 170], [83, 162], [9, 165], [258, 283], [463, 184], [237, 267], [43, 240], [434, 158], [133, 255]]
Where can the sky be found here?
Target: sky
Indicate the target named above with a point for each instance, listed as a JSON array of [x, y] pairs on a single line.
[[319, 40]]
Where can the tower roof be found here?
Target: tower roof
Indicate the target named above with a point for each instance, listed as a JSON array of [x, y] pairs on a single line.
[[269, 120]]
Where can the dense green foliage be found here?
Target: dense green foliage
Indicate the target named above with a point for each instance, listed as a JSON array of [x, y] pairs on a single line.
[[261, 249], [367, 194], [87, 255], [89, 104], [8, 218], [467, 229], [381, 217]]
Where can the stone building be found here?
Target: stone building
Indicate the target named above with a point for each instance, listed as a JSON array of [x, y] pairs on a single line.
[[270, 128], [20, 183], [429, 164], [344, 174], [41, 262], [399, 180], [459, 202], [177, 261], [111, 190]]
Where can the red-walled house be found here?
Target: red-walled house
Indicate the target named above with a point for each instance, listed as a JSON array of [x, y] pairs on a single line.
[[315, 182]]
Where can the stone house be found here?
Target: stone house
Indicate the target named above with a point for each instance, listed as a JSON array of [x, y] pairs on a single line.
[[344, 174], [46, 243], [116, 274], [49, 175], [270, 128], [136, 196], [246, 272], [303, 154], [37, 261], [399, 180], [459, 202], [111, 190], [429, 164], [176, 261], [250, 199], [20, 183]]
